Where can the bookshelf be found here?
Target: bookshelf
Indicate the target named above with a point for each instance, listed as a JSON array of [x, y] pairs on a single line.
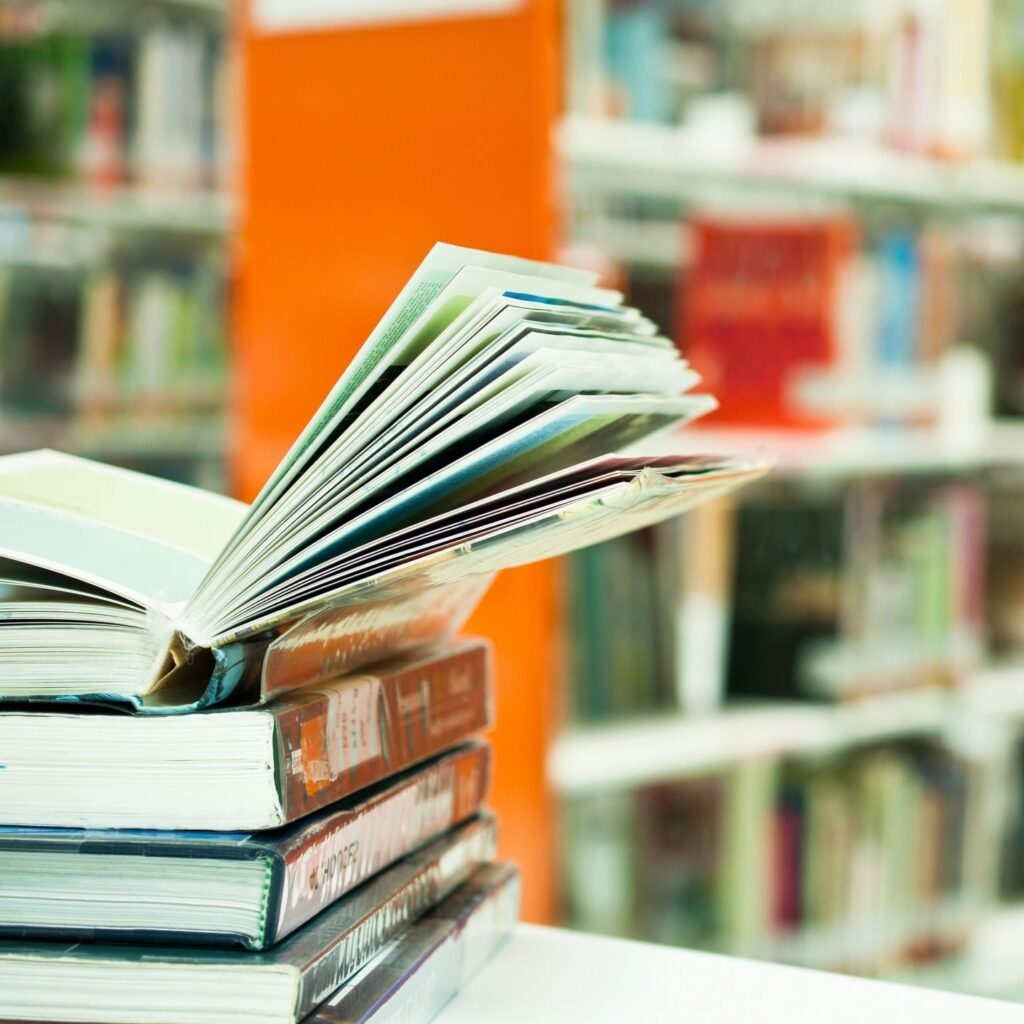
[[609, 765], [692, 141], [116, 218], [104, 13]]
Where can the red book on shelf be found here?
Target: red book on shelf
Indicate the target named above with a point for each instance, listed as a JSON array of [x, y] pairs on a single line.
[[761, 310]]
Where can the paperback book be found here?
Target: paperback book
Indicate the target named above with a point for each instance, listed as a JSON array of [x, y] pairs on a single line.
[[472, 432]]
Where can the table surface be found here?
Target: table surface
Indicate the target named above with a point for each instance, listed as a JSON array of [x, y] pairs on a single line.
[[547, 974]]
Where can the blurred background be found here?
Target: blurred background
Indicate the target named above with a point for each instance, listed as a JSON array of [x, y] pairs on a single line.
[[790, 726]]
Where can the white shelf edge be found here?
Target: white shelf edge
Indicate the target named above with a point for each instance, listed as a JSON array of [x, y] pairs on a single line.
[[123, 208], [661, 161], [634, 753], [200, 440], [848, 452], [625, 755]]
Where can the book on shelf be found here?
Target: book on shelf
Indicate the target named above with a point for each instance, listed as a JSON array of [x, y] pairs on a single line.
[[650, 618], [227, 888], [470, 433], [845, 595], [760, 313], [258, 768], [426, 966], [55, 981], [817, 322], [859, 861], [145, 106]]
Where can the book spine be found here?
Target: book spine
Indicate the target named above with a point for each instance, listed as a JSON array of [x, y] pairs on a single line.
[[334, 857], [444, 867], [337, 640], [415, 977], [368, 728]]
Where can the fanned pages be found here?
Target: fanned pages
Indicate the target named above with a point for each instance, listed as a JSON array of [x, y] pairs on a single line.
[[475, 430]]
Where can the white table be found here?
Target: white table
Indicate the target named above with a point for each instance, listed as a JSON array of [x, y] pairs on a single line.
[[544, 975]]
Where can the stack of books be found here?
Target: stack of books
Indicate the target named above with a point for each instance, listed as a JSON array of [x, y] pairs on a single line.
[[297, 775]]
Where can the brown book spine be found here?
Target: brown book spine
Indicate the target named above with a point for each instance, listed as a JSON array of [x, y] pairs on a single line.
[[341, 639], [328, 859], [364, 728]]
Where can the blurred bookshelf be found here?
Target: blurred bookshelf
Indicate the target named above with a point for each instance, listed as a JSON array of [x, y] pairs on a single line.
[[116, 217], [793, 725]]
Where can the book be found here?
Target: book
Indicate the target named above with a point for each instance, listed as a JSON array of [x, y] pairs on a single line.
[[427, 965], [473, 431], [859, 861], [180, 985], [759, 316], [254, 768], [213, 888]]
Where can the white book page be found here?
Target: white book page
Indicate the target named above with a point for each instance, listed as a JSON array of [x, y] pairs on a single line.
[[540, 376], [442, 263], [136, 536], [460, 390], [424, 325], [188, 518], [428, 381], [647, 498], [572, 431], [427, 339]]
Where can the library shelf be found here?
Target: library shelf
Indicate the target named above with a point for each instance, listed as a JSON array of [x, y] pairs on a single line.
[[49, 258], [177, 438], [629, 158], [862, 451], [622, 755], [997, 690], [650, 244], [547, 974], [71, 12], [138, 209], [865, 946]]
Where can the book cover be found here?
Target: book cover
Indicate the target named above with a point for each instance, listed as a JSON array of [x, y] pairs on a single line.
[[336, 742], [89, 885]]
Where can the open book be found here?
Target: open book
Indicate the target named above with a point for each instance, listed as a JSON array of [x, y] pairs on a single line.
[[473, 431]]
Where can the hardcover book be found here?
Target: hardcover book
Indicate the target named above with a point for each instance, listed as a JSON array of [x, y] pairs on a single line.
[[473, 431], [49, 981], [225, 888], [246, 769], [422, 969]]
